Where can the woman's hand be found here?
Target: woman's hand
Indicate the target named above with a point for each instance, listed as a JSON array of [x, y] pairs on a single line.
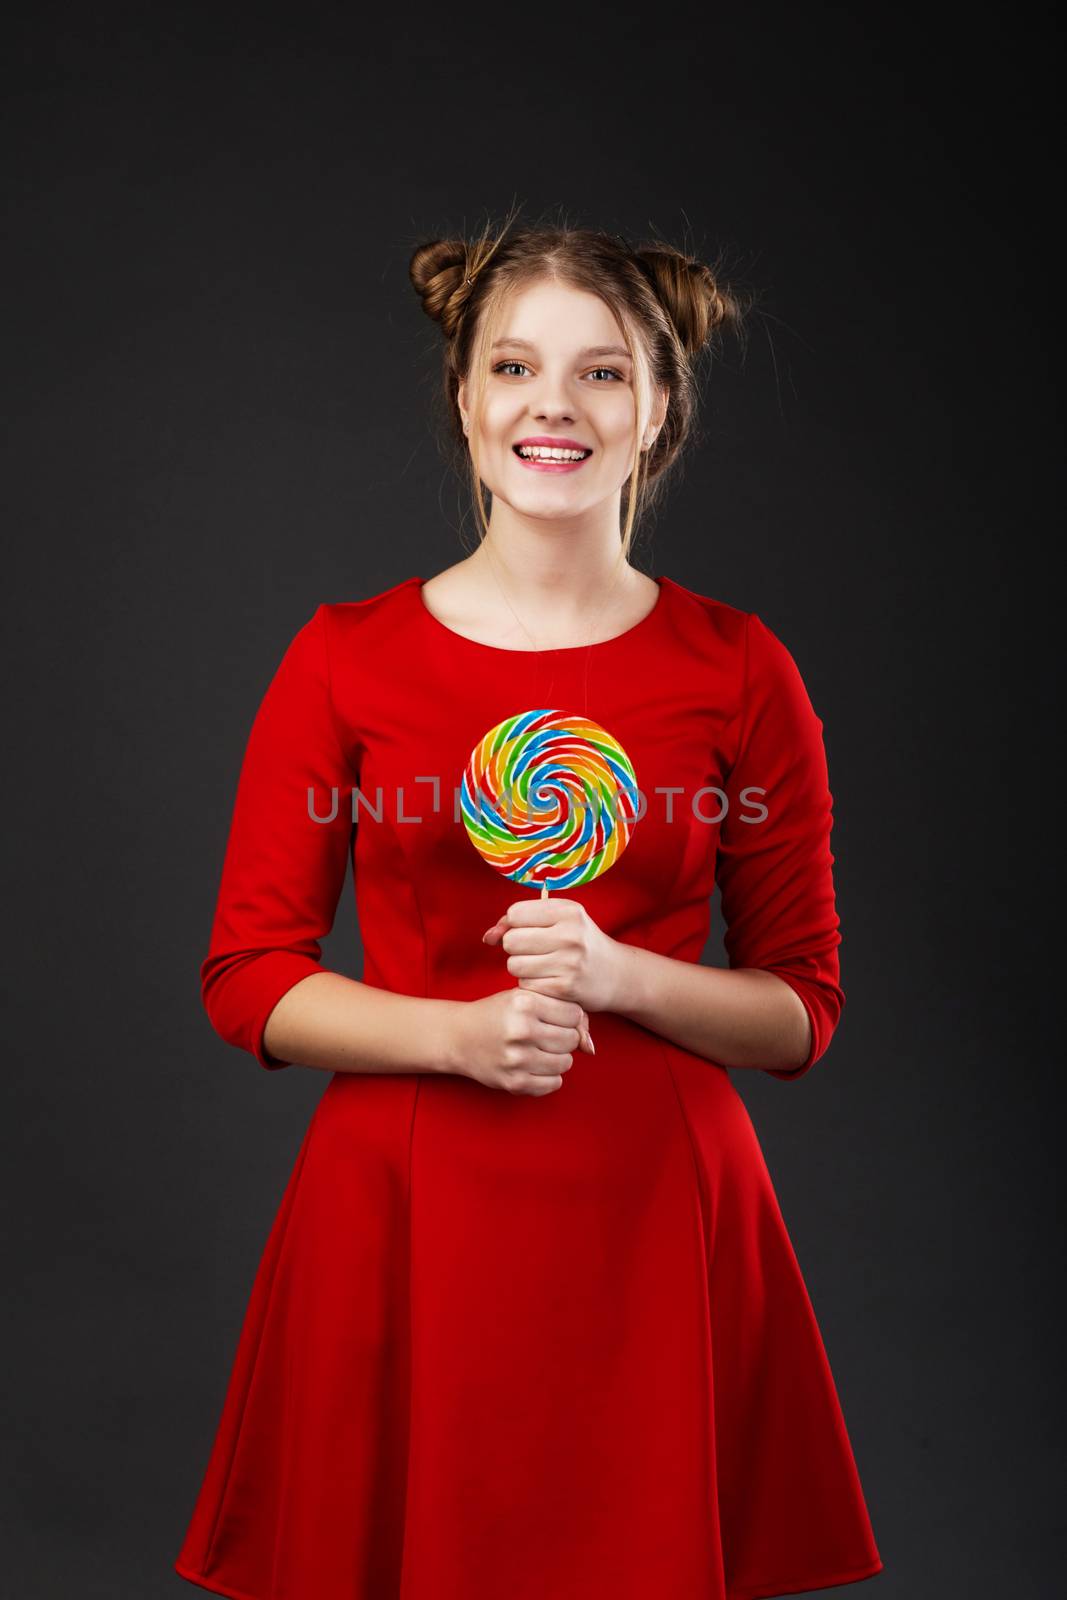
[[517, 1040], [555, 947]]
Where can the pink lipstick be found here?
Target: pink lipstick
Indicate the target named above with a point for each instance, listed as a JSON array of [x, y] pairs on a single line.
[[545, 454]]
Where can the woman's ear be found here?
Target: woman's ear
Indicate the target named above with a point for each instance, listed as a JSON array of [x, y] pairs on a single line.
[[655, 421]]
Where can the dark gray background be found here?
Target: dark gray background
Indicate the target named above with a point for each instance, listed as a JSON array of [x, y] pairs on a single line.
[[219, 415]]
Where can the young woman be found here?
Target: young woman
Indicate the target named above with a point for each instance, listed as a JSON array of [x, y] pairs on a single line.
[[529, 1324]]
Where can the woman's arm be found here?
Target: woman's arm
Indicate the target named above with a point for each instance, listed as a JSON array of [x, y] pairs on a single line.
[[342, 1025], [263, 983], [776, 872], [746, 1017], [741, 1018]]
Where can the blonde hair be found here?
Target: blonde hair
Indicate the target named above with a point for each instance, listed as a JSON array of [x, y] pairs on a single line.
[[669, 305]]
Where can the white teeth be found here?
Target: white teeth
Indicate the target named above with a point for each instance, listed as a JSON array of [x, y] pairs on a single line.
[[543, 453]]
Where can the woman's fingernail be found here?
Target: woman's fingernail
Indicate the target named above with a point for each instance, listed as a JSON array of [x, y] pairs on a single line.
[[589, 1036]]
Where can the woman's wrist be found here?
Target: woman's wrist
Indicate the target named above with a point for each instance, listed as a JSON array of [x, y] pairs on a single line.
[[629, 977], [445, 1054]]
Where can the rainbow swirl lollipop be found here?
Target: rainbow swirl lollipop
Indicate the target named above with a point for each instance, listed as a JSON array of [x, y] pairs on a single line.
[[549, 799]]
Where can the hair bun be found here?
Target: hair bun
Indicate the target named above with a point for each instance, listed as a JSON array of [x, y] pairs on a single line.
[[438, 271], [697, 303]]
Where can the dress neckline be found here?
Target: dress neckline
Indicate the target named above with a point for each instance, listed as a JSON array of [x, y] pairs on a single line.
[[644, 623]]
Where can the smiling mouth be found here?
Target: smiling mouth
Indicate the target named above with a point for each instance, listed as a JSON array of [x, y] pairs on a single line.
[[543, 455]]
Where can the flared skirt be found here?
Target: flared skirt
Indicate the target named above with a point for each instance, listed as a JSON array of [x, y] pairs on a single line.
[[508, 1347]]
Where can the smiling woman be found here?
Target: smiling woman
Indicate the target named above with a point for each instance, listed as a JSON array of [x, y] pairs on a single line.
[[529, 1322], [514, 311]]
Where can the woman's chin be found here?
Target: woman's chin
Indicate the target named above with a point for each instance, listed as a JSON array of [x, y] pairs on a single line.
[[548, 503]]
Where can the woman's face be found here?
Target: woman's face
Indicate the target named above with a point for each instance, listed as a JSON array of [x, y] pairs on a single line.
[[559, 374]]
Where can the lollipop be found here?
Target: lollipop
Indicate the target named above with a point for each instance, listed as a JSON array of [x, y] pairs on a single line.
[[549, 798]]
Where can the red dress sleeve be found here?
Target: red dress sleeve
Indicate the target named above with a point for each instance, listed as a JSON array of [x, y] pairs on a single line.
[[283, 870], [775, 865]]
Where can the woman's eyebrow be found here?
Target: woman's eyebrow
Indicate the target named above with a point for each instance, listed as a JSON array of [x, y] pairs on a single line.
[[593, 349]]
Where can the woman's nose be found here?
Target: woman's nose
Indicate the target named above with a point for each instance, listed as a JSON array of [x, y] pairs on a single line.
[[548, 410]]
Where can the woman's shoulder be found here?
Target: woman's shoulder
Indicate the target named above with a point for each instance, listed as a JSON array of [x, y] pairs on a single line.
[[722, 624], [703, 620], [383, 601], [381, 615], [738, 647]]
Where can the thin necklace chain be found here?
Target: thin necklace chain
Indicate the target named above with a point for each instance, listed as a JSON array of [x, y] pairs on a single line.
[[539, 649]]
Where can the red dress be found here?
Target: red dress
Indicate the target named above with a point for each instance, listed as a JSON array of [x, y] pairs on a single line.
[[508, 1347]]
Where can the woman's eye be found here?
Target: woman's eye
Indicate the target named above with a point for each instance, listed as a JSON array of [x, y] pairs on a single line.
[[502, 364], [614, 374]]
